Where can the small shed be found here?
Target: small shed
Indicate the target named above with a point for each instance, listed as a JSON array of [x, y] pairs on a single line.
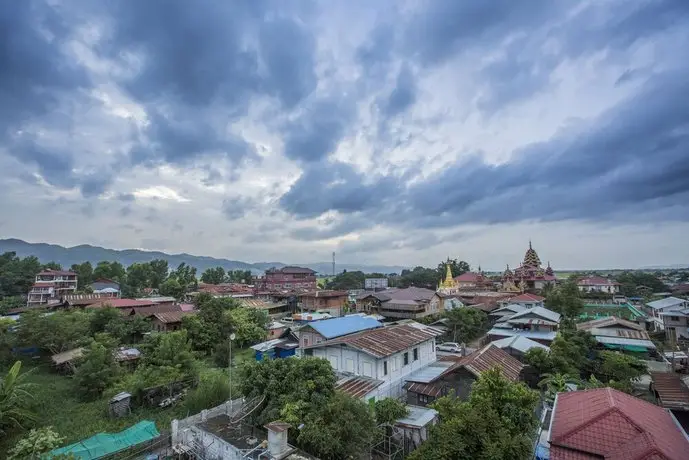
[[64, 362], [119, 405]]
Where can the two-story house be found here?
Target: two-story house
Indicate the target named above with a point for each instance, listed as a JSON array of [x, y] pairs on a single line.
[[288, 278], [598, 284], [618, 334], [657, 308], [334, 303], [51, 285], [538, 324], [676, 325], [456, 374], [407, 303], [373, 363], [328, 329]]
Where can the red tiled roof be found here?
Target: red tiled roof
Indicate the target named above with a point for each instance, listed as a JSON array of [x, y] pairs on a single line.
[[672, 392], [527, 297], [608, 424], [386, 340], [358, 387], [596, 281], [122, 303]]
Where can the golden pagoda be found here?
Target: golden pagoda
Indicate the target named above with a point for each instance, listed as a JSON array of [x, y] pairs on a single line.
[[448, 285]]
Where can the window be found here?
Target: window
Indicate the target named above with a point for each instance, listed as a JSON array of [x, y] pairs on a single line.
[[394, 364], [423, 399], [405, 359], [385, 368], [674, 318], [416, 354], [306, 341]]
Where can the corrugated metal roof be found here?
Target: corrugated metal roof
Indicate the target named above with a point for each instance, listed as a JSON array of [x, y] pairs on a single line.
[[429, 372], [387, 340], [608, 321], [357, 387], [429, 389], [418, 417], [513, 308], [518, 343], [672, 392], [488, 358], [526, 297], [666, 303], [625, 333], [624, 341], [532, 321], [544, 335], [538, 311], [337, 327], [171, 316]]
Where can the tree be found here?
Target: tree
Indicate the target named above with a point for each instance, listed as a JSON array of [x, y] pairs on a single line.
[[7, 340], [573, 352], [102, 317], [138, 277], [84, 273], [557, 383], [619, 367], [213, 275], [238, 276], [347, 280], [248, 324], [172, 288], [565, 299], [158, 272], [466, 323], [15, 399], [8, 303], [186, 275], [342, 428], [55, 333], [52, 265], [419, 277], [213, 390], [389, 410], [17, 275], [497, 422], [110, 270], [633, 280], [34, 445], [96, 371], [458, 267], [305, 384], [171, 350], [539, 359]]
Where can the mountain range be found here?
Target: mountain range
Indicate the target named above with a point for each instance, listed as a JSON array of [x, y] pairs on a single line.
[[94, 254]]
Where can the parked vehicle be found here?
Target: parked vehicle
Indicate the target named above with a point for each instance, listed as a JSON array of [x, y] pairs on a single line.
[[452, 347]]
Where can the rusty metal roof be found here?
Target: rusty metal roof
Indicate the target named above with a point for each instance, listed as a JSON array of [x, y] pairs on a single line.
[[357, 387], [171, 316], [387, 340], [609, 321], [429, 389], [485, 359], [624, 333], [672, 391]]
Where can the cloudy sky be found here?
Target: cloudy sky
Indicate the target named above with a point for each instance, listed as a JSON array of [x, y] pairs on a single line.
[[390, 132]]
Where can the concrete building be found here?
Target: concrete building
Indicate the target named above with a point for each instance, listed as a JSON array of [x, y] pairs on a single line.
[[676, 325], [598, 284], [328, 329], [51, 285], [526, 300], [105, 285], [657, 308], [288, 278], [538, 324], [334, 303], [373, 363]]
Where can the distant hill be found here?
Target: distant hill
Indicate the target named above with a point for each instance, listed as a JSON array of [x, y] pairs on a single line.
[[78, 254]]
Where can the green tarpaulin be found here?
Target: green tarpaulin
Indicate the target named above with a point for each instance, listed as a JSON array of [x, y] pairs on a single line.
[[107, 443], [634, 348]]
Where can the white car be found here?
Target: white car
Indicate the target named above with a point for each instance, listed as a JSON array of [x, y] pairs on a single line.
[[452, 347]]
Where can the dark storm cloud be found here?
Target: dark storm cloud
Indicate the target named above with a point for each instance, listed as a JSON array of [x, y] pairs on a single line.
[[344, 226], [202, 64], [631, 158], [317, 131]]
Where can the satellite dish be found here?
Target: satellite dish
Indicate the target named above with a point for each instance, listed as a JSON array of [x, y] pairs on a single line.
[[232, 336]]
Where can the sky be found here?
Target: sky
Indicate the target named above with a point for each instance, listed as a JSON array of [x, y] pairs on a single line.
[[389, 132]]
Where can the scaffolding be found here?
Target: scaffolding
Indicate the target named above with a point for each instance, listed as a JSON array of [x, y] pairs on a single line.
[[388, 443]]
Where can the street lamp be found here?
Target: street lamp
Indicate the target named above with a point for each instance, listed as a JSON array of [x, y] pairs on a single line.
[[229, 365]]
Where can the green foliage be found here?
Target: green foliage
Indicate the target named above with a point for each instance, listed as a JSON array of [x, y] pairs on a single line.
[[102, 317], [632, 281], [458, 267], [55, 333], [419, 277], [8, 303], [466, 324], [389, 410], [171, 350], [138, 277], [84, 273], [572, 352], [158, 272], [7, 340], [17, 275], [238, 276], [15, 399], [109, 270], [342, 428], [186, 276], [540, 360], [497, 422], [124, 329], [566, 300], [213, 390], [96, 371], [213, 275], [38, 441], [557, 383], [347, 280], [305, 383], [620, 367], [172, 288], [248, 324]]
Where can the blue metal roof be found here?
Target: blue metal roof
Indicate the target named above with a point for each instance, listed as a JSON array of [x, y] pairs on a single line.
[[337, 327]]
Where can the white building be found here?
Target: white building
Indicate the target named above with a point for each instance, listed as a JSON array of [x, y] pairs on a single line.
[[538, 324], [51, 285], [373, 363], [658, 308], [598, 284], [526, 300]]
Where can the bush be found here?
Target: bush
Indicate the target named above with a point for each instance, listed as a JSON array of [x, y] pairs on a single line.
[[213, 390]]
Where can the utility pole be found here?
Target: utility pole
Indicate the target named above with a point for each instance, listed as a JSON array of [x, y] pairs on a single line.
[[333, 264]]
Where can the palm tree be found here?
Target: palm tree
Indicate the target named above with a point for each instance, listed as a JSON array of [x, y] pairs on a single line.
[[556, 383], [14, 399]]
